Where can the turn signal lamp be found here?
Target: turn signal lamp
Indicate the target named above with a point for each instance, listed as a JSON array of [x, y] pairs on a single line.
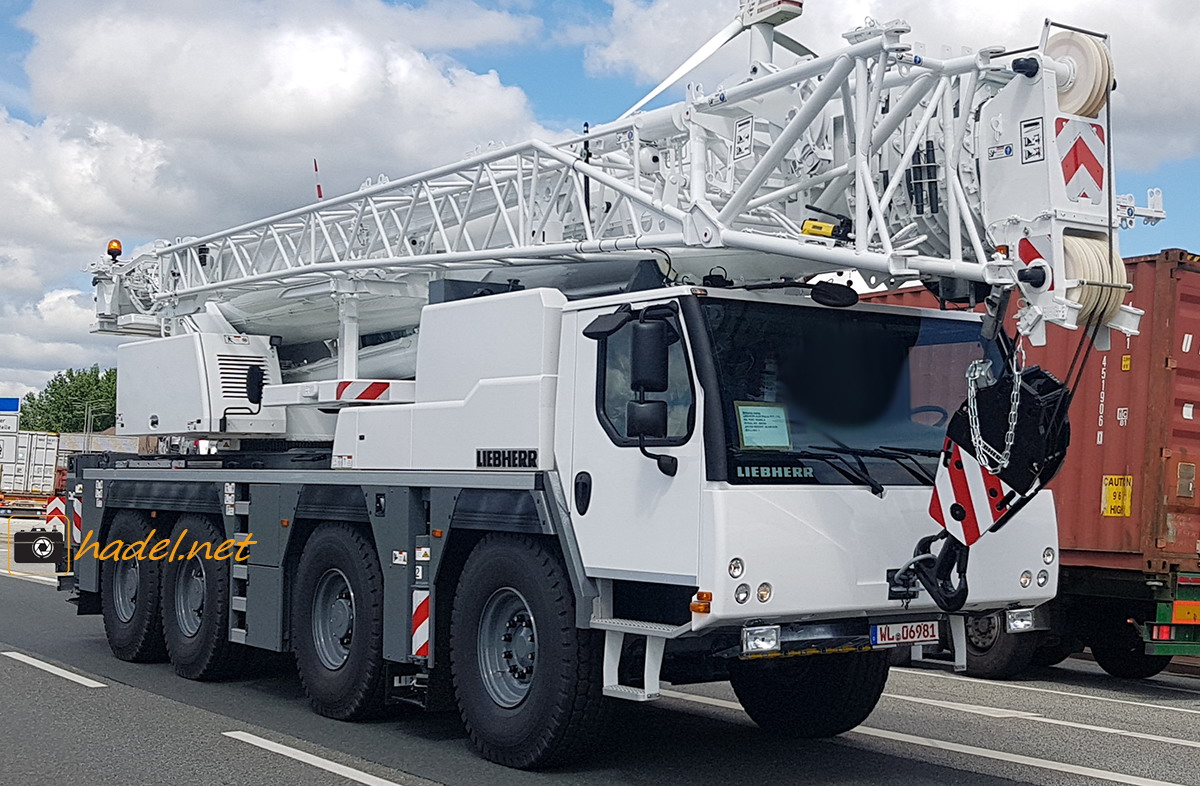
[[702, 604], [114, 249]]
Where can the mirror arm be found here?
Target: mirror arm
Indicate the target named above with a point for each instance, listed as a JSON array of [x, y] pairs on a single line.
[[667, 465]]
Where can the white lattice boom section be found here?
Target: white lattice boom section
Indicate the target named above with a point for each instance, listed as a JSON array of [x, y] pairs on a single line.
[[929, 164]]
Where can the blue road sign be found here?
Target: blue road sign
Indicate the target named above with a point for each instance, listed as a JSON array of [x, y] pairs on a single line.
[[10, 404]]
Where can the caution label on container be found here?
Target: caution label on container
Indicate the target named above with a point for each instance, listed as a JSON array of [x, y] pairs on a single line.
[[1185, 612], [1117, 495]]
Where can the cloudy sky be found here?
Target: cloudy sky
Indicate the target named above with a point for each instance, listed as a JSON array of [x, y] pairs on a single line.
[[140, 119]]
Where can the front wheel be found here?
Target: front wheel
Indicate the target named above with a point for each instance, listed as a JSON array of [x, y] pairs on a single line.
[[813, 696], [528, 682]]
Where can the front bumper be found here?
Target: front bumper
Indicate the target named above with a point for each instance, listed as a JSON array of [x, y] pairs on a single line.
[[795, 639]]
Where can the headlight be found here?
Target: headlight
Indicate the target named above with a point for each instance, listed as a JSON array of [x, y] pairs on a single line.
[[764, 592], [1018, 620], [736, 567], [1048, 555], [1043, 577], [742, 593], [761, 639], [1026, 578]]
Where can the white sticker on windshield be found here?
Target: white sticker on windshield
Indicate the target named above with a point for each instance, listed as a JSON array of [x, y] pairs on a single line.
[[763, 426]]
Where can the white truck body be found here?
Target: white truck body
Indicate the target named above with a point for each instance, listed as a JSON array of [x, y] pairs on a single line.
[[512, 372]]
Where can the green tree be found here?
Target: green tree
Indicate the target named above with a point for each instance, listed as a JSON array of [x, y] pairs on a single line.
[[62, 406]]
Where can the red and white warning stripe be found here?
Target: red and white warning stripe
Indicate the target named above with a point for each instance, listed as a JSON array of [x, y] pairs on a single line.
[[1081, 149], [361, 391], [56, 511], [77, 521], [967, 499], [1036, 248], [420, 623]]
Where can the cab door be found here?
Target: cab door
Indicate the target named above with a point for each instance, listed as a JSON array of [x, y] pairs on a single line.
[[631, 519]]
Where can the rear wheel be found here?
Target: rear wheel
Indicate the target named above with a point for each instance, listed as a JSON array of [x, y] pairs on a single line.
[[129, 595], [527, 681], [195, 603], [810, 697], [337, 624], [1128, 659], [993, 652]]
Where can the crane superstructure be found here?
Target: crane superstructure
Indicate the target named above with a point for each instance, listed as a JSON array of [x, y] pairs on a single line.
[[434, 398]]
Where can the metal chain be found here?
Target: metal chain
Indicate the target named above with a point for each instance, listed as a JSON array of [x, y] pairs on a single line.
[[988, 457]]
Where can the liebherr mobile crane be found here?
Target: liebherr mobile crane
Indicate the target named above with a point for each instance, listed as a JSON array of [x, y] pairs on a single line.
[[559, 422]]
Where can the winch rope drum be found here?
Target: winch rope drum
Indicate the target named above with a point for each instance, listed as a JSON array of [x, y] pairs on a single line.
[[1085, 75], [1101, 274]]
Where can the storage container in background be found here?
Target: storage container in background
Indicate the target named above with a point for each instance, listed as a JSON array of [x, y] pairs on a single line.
[[27, 463]]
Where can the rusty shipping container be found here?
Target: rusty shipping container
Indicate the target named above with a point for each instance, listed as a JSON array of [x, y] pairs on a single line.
[[1128, 514]]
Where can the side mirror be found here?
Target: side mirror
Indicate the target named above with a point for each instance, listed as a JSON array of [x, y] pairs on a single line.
[[649, 357], [646, 419]]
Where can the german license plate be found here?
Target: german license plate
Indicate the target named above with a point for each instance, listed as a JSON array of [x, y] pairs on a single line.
[[898, 633]]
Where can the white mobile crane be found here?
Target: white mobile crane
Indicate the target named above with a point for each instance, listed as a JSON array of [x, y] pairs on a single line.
[[561, 421]]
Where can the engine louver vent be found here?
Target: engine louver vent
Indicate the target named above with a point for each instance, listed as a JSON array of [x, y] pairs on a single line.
[[233, 369]]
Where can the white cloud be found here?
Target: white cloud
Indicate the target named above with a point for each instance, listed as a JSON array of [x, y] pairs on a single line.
[[1155, 111], [167, 119], [40, 338]]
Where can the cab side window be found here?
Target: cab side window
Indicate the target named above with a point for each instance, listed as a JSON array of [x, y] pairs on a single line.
[[614, 392]]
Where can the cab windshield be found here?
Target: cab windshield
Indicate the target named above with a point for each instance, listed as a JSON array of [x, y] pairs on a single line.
[[837, 396]]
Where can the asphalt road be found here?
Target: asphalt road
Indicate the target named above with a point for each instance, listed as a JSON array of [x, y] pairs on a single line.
[[100, 721]]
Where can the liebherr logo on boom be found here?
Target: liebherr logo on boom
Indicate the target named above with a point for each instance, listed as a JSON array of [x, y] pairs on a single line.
[[486, 458]]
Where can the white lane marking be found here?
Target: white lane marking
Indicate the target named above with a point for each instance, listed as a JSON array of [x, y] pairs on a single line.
[[974, 709], [1014, 758], [996, 684], [66, 675], [970, 750], [38, 579], [1160, 686], [1139, 735], [998, 712], [358, 776]]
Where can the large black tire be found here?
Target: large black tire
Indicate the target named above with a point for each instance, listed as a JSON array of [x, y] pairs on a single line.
[[195, 604], [995, 654], [1052, 651], [810, 697], [553, 712], [129, 595], [337, 624], [1128, 659]]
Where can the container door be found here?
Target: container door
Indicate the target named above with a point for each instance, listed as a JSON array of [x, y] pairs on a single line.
[[632, 520]]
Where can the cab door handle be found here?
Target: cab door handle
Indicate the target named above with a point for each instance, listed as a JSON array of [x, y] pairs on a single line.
[[583, 492]]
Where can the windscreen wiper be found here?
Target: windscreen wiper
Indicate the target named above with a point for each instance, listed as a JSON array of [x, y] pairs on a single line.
[[913, 451], [898, 455]]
